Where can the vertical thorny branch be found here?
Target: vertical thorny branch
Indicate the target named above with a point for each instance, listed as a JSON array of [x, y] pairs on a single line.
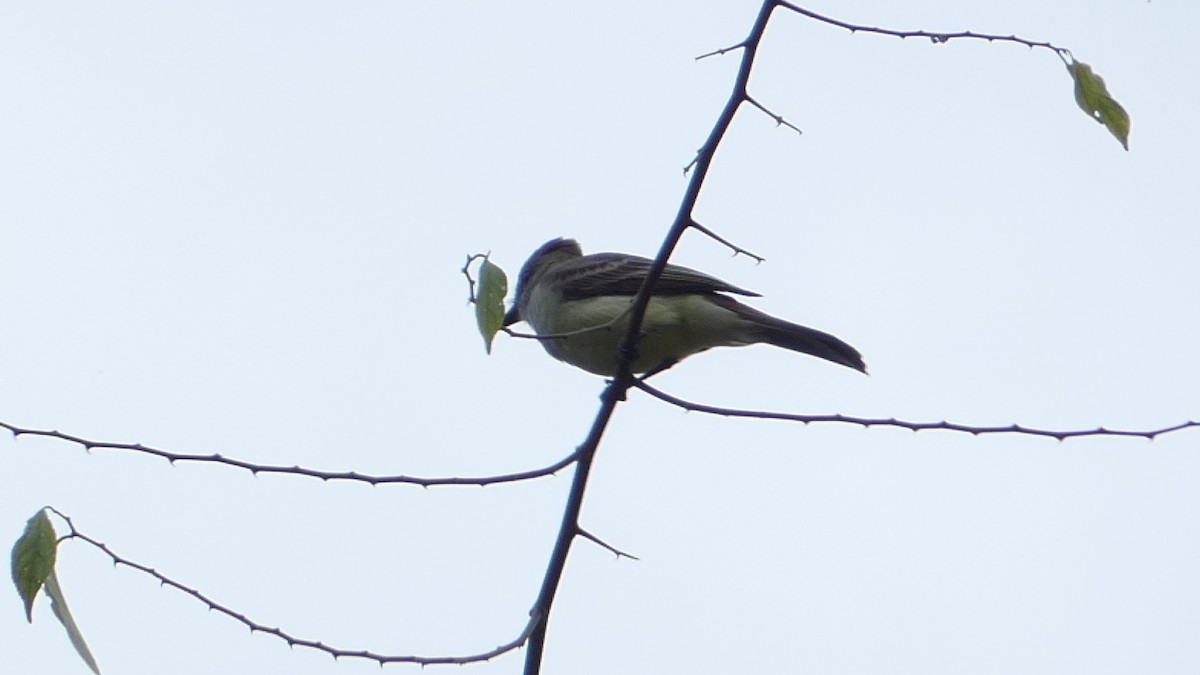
[[615, 392]]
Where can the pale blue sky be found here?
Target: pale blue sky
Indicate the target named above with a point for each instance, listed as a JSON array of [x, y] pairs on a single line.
[[237, 227]]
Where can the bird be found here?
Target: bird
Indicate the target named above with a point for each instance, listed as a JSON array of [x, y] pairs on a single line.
[[579, 307]]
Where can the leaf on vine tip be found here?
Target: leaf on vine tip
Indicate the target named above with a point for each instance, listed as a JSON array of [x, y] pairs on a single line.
[[489, 301], [1093, 98], [33, 559]]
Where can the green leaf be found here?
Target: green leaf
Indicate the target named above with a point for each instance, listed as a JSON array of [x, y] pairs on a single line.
[[33, 559], [489, 301], [58, 603], [1093, 98]]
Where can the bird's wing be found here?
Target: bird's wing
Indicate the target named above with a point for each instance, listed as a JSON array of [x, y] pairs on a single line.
[[619, 274]]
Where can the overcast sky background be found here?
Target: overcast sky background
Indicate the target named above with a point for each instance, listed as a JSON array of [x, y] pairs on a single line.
[[237, 227]]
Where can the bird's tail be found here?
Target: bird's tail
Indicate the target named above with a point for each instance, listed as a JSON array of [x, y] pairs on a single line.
[[822, 345], [766, 328]]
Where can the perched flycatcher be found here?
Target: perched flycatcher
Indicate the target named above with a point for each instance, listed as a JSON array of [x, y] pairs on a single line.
[[579, 305]]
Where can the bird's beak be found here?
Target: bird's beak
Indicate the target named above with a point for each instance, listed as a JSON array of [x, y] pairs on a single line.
[[512, 317]]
